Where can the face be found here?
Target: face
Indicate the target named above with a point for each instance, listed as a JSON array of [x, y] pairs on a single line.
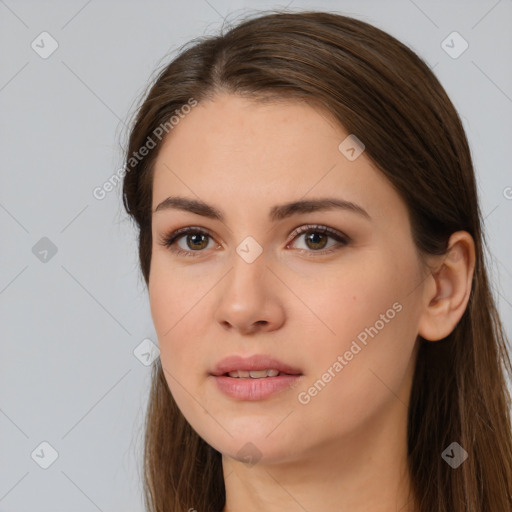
[[331, 294]]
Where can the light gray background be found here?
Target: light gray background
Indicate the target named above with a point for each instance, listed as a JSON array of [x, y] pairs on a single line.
[[68, 373]]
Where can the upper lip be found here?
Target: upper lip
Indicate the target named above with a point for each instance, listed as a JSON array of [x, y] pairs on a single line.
[[255, 362]]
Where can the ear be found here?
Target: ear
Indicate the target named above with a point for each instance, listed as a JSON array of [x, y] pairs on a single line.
[[447, 289]]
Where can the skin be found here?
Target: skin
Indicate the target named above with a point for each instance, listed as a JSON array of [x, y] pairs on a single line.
[[346, 448]]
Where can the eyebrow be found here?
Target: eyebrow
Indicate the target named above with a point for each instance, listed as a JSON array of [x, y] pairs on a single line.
[[278, 212]]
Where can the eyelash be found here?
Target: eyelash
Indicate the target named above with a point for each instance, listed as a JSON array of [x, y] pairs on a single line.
[[343, 240]]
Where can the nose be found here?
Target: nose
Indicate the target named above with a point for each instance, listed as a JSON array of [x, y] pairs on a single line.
[[249, 300]]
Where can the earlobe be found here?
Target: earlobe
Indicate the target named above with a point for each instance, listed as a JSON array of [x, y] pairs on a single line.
[[448, 288]]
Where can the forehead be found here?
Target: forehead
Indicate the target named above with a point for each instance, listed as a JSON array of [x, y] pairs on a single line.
[[249, 152], [232, 127]]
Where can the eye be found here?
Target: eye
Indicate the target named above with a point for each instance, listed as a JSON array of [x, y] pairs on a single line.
[[194, 240], [316, 238]]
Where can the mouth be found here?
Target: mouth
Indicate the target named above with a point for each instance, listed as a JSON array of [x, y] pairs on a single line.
[[254, 378], [256, 366], [255, 374]]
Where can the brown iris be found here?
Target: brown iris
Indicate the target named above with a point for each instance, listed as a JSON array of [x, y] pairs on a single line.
[[199, 239], [318, 240]]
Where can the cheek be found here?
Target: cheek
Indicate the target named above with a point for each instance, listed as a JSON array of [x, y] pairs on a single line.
[[371, 315], [170, 296], [343, 301], [177, 304], [166, 303], [178, 353]]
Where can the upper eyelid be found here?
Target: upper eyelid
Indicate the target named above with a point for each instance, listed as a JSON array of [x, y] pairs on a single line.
[[304, 228]]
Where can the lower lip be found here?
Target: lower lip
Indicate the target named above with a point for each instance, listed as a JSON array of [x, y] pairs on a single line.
[[254, 389]]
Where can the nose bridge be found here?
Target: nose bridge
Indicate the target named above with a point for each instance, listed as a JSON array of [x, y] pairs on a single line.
[[247, 298], [248, 262], [248, 273]]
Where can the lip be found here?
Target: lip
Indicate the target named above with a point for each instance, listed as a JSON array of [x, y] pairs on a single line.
[[255, 362], [253, 389]]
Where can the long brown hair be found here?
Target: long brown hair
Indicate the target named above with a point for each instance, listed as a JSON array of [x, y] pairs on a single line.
[[379, 89]]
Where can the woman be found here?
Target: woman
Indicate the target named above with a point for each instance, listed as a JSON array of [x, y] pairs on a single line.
[[310, 236]]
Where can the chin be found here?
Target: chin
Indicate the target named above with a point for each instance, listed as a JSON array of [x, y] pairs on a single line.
[[253, 446]]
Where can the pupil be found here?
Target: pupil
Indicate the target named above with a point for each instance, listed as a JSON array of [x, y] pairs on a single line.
[[197, 238], [314, 239]]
